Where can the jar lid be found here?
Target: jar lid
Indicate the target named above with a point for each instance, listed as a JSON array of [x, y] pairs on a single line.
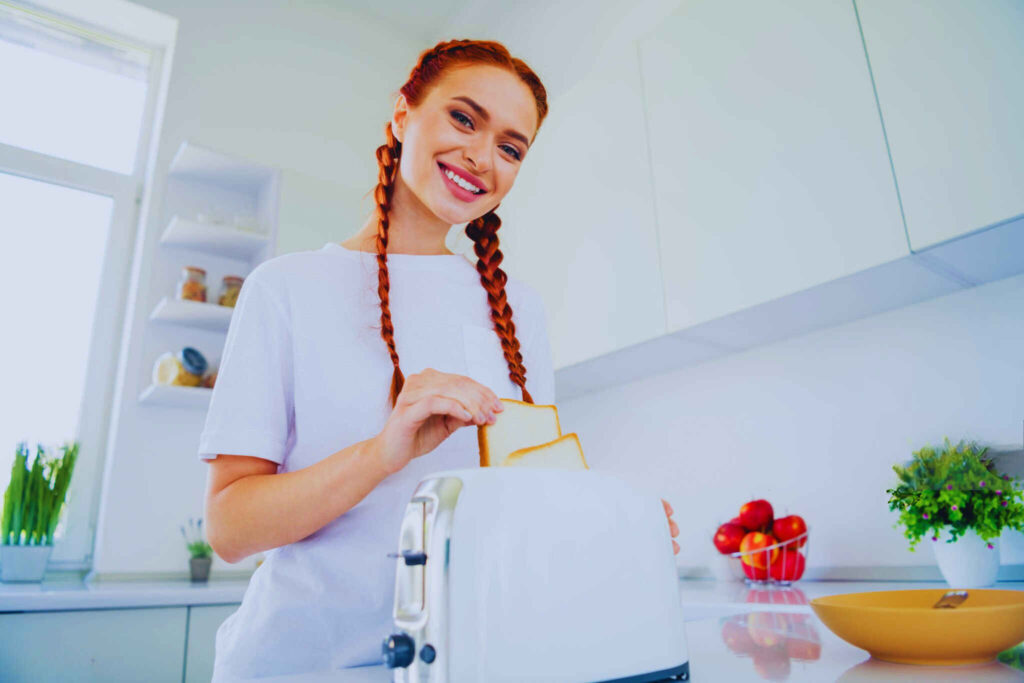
[[233, 278], [195, 269], [193, 361]]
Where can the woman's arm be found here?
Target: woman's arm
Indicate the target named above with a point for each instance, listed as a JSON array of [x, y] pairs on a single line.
[[250, 508]]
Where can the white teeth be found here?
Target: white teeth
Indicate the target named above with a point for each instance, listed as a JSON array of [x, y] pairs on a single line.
[[461, 182]]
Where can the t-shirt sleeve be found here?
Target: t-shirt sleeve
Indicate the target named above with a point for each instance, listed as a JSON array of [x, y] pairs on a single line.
[[540, 376], [252, 408]]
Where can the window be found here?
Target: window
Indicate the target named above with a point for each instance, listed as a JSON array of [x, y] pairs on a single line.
[[75, 131]]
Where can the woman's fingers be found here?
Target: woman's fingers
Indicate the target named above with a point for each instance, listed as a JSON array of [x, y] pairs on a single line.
[[673, 527], [440, 405], [675, 548], [668, 508], [475, 397]]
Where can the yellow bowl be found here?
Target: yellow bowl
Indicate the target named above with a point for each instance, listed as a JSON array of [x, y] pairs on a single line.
[[902, 626]]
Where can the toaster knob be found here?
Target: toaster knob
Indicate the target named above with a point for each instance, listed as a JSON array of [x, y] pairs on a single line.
[[428, 654], [411, 556], [415, 557], [398, 650]]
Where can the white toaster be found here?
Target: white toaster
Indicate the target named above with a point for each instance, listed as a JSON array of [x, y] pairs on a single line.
[[512, 574]]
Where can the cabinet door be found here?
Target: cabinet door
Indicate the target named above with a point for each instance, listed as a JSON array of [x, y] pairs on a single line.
[[579, 223], [203, 622], [105, 646], [770, 168], [950, 81]]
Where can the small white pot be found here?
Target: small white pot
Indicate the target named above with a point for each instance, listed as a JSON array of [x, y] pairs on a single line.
[[23, 562], [968, 562]]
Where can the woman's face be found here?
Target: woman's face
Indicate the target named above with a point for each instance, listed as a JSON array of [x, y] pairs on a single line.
[[477, 123]]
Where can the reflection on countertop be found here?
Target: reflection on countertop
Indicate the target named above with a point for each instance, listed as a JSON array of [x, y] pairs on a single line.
[[741, 633]]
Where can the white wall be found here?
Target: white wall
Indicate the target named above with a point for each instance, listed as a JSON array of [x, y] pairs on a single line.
[[815, 423], [306, 88]]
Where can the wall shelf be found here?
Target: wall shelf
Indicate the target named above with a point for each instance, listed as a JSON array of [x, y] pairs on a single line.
[[220, 240], [207, 316], [199, 164], [176, 397]]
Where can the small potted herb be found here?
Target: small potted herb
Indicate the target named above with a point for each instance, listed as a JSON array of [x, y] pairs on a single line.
[[33, 504], [956, 495], [200, 551]]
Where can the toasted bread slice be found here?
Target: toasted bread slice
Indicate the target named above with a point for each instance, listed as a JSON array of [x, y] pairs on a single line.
[[564, 453], [521, 424]]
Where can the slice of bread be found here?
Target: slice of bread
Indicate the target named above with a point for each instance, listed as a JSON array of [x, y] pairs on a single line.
[[521, 424], [564, 453]]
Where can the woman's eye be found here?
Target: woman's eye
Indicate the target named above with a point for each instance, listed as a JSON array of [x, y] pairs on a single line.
[[513, 151], [463, 119]]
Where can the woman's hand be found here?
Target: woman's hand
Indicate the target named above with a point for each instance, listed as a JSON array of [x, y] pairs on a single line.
[[430, 407], [672, 526]]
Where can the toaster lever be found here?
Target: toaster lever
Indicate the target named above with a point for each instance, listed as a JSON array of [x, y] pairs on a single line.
[[412, 556]]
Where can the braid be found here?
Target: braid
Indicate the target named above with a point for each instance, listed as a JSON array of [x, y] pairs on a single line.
[[387, 166], [484, 233]]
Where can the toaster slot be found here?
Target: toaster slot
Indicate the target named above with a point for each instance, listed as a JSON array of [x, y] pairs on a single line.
[[411, 578]]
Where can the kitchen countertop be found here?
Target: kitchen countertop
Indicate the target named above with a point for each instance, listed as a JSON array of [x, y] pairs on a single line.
[[701, 597], [715, 612], [75, 595]]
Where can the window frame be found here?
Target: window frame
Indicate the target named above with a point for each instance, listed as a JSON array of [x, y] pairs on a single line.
[[131, 195]]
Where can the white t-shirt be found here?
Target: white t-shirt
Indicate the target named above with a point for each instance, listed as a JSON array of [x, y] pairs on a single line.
[[305, 373]]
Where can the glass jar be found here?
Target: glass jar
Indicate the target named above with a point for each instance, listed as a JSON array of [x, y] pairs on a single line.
[[229, 289], [168, 370], [192, 286]]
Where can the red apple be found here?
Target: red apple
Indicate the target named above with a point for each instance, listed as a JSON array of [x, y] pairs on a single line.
[[756, 515], [756, 541], [727, 538], [788, 566], [754, 573], [737, 520], [789, 527]]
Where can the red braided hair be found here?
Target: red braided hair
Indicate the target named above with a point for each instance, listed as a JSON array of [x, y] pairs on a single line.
[[483, 230]]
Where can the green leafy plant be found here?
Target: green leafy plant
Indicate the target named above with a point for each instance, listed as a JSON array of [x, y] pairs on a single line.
[[34, 499], [955, 487], [197, 546]]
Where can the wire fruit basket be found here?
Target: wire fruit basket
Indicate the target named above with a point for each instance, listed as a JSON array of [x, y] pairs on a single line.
[[779, 564]]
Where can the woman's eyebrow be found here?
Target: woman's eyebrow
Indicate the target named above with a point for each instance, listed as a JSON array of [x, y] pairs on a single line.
[[487, 117]]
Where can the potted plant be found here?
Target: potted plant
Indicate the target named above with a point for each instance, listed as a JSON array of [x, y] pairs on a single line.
[[200, 551], [955, 494], [33, 504]]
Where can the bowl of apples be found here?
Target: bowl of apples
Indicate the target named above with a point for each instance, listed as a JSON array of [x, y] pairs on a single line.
[[769, 550]]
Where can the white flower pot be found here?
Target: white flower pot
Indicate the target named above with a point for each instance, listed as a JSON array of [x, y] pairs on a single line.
[[968, 562], [23, 562]]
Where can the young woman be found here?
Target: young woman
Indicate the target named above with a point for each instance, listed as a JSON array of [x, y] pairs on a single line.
[[315, 432]]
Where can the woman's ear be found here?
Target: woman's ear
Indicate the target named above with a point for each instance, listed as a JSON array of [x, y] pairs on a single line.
[[399, 116]]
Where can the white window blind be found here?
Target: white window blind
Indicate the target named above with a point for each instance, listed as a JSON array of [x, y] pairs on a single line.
[[70, 91]]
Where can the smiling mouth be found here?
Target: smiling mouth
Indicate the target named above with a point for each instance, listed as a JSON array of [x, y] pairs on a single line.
[[458, 180]]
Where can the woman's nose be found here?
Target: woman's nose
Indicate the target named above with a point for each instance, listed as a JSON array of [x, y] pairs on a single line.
[[477, 160]]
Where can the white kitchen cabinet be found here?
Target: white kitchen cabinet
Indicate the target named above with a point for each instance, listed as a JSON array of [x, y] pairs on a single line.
[[770, 168], [580, 218], [203, 622], [105, 646], [951, 91]]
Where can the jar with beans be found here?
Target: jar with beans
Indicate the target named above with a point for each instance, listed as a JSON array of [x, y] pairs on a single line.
[[192, 286]]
